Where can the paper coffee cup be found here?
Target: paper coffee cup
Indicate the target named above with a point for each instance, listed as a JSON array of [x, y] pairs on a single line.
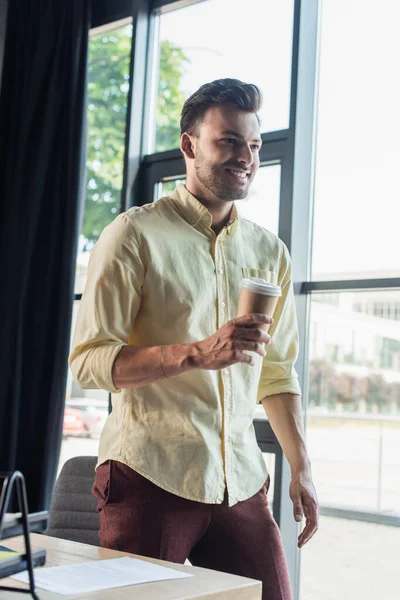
[[258, 296]]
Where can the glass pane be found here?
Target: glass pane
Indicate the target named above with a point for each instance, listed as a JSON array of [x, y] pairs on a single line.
[[108, 85], [353, 435], [164, 188], [262, 203], [357, 208], [354, 399], [253, 45], [84, 416], [352, 560]]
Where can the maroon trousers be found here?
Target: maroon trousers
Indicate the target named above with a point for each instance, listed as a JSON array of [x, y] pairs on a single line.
[[138, 516]]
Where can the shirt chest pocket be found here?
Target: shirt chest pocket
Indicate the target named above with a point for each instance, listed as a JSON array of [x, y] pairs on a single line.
[[267, 274]]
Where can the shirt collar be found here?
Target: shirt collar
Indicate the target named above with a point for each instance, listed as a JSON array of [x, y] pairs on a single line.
[[195, 213]]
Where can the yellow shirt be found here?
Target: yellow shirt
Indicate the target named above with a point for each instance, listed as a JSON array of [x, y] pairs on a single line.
[[159, 275]]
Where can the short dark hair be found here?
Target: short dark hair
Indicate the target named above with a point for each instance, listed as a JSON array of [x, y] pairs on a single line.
[[243, 96]]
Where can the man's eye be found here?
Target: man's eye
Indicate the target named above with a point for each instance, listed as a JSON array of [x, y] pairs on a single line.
[[229, 141], [255, 147]]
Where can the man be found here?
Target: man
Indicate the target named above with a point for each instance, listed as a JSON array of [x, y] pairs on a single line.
[[179, 473]]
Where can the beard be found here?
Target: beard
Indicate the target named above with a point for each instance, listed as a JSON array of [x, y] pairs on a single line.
[[217, 181]]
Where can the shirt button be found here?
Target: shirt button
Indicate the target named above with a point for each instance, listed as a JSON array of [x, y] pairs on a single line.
[[226, 371], [223, 304], [221, 271]]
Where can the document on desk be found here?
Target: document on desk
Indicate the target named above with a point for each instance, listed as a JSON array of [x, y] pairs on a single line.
[[93, 576]]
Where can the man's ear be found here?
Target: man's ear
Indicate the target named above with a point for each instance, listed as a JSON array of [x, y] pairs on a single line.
[[187, 145]]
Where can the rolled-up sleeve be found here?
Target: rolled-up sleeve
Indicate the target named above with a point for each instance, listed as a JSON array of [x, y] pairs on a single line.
[[278, 374], [109, 305]]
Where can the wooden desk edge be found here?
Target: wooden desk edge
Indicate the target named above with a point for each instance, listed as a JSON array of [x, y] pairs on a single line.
[[69, 552]]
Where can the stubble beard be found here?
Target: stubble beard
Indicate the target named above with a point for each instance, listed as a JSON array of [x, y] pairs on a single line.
[[212, 178]]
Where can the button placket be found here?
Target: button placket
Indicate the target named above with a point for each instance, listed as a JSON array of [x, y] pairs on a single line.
[[227, 419], [222, 302]]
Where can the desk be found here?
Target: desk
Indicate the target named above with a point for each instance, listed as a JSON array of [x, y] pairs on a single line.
[[207, 584]]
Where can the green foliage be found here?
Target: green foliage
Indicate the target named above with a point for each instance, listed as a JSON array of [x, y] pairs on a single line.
[[169, 186], [108, 86], [170, 98], [328, 388], [322, 383], [379, 392]]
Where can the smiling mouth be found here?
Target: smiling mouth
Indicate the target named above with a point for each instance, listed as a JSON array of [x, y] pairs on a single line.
[[238, 175]]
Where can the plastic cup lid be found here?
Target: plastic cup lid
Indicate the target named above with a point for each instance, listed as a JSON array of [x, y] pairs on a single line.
[[260, 286]]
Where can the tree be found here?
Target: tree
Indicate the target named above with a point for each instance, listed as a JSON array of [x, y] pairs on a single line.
[[108, 86], [378, 393], [170, 98], [322, 379]]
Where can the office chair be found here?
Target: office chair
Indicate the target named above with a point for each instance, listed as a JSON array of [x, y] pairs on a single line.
[[73, 515]]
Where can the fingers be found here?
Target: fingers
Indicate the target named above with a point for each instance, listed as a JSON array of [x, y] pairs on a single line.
[[252, 346], [252, 319], [256, 335], [306, 534], [311, 512], [238, 356], [297, 509], [229, 343], [247, 359]]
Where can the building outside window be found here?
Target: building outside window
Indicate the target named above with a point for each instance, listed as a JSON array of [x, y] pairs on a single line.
[[353, 415]]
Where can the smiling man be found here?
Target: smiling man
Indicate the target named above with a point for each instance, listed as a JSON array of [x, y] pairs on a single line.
[[180, 474]]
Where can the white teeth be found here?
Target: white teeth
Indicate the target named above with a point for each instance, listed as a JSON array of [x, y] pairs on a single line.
[[238, 173]]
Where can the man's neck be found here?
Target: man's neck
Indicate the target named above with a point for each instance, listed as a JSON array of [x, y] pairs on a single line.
[[219, 210], [220, 219]]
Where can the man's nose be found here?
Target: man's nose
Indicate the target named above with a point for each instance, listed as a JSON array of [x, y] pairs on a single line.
[[245, 155]]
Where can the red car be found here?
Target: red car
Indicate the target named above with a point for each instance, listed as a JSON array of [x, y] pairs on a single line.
[[73, 423]]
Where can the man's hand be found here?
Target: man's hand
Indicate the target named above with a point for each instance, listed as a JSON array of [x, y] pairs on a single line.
[[226, 346], [305, 502]]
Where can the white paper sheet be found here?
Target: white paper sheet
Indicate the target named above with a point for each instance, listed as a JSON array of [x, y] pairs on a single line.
[[80, 578]]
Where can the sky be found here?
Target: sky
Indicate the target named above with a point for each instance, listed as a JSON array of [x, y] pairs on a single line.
[[357, 199]]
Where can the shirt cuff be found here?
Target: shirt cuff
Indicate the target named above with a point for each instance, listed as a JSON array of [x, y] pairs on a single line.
[[286, 386], [94, 369]]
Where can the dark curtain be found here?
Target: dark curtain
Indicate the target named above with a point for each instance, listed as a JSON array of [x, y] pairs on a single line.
[[42, 151]]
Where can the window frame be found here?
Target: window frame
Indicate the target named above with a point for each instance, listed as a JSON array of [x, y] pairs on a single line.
[[293, 148]]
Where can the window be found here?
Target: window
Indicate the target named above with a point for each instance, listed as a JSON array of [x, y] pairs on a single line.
[[356, 189], [262, 203], [353, 415], [388, 310], [390, 354], [213, 39], [84, 415], [353, 419], [357, 389], [353, 361], [332, 299], [167, 186], [396, 311], [108, 86]]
